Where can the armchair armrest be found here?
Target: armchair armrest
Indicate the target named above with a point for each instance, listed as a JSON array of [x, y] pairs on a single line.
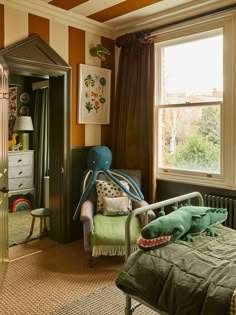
[[150, 215], [86, 216], [87, 211]]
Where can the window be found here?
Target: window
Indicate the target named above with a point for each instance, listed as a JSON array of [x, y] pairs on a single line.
[[192, 105]]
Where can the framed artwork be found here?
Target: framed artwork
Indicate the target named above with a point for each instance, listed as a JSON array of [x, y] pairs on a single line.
[[94, 95]]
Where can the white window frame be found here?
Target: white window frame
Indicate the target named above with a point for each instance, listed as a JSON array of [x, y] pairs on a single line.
[[227, 178]]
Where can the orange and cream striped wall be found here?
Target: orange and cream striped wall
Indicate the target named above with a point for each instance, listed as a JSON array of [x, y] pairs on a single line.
[[72, 44]]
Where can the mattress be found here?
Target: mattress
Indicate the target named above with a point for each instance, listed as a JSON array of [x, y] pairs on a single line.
[[194, 278]]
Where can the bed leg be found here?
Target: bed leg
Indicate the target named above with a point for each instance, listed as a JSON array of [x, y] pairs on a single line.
[[90, 260], [128, 308]]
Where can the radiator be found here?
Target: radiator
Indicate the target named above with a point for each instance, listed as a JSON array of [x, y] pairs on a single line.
[[223, 202]]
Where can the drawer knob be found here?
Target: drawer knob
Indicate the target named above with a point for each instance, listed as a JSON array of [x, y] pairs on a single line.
[[19, 185], [20, 173], [20, 160]]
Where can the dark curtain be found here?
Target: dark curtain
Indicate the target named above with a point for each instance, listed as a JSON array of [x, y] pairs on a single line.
[[133, 113], [41, 143]]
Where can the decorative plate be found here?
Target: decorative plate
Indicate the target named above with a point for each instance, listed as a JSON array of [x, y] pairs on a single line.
[[24, 98], [24, 110]]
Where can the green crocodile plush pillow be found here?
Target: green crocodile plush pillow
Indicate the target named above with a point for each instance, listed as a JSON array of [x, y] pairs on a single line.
[[180, 223]]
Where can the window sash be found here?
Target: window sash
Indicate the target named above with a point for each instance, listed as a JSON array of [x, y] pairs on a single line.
[[182, 170], [227, 178], [189, 104]]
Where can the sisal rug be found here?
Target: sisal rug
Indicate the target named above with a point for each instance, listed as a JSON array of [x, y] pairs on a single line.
[[30, 248], [48, 278], [43, 280], [105, 301]]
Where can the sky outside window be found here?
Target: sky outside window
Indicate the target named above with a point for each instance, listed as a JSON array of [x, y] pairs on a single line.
[[193, 69]]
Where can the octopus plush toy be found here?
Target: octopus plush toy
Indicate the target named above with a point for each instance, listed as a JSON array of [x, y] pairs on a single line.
[[99, 161]]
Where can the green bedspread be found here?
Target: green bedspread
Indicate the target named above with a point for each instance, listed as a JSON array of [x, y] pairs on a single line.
[[185, 278]]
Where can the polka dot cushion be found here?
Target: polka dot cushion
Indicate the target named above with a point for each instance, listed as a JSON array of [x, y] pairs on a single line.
[[109, 189]]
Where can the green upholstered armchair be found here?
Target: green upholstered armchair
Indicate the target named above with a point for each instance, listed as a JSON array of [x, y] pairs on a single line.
[[104, 216]]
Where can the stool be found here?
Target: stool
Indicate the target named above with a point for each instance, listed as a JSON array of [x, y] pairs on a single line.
[[41, 213]]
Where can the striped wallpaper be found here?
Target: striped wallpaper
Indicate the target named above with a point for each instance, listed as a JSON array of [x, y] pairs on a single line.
[[73, 46]]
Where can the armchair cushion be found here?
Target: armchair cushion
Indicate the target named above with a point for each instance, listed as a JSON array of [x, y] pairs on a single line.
[[115, 206], [110, 230], [109, 189]]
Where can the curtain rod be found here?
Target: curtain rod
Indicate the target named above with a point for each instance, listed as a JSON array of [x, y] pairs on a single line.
[[230, 7]]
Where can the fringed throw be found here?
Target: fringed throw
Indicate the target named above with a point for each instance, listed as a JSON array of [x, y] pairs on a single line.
[[111, 250]]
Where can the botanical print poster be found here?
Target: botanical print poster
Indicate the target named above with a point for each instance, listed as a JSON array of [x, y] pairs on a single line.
[[94, 95]]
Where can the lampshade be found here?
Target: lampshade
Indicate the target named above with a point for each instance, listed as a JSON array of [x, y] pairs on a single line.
[[23, 123]]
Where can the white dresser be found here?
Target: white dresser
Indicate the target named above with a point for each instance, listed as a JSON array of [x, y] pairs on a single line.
[[20, 172]]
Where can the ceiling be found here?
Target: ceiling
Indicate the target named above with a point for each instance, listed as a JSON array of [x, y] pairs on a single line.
[[112, 18], [119, 13]]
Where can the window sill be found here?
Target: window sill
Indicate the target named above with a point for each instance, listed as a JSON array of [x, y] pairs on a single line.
[[193, 180]]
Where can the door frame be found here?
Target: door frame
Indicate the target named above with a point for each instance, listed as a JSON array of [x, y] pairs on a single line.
[[4, 95], [34, 57]]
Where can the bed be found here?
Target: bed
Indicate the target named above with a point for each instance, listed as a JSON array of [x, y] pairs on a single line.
[[182, 278]]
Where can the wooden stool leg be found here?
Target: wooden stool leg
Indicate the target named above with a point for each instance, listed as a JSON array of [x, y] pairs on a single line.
[[32, 226]]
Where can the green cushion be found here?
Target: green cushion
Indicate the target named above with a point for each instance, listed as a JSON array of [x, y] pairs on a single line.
[[111, 230]]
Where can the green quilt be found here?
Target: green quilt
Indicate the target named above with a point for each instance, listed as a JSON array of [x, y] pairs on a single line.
[[185, 278]]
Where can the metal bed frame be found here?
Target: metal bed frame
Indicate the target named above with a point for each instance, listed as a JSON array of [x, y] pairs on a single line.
[[129, 308]]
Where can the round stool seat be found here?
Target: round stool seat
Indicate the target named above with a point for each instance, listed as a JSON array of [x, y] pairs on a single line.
[[40, 212]]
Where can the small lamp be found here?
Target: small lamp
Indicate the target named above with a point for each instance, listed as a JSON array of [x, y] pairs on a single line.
[[22, 124]]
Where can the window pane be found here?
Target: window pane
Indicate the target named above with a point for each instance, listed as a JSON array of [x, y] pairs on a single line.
[[192, 71], [190, 138]]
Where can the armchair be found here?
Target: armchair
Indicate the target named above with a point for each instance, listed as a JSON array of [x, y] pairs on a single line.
[[105, 234]]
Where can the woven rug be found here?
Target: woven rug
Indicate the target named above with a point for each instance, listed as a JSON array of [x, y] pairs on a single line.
[[105, 301], [19, 223], [30, 248], [43, 277], [48, 278]]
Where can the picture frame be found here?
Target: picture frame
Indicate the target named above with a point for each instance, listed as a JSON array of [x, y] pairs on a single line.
[[94, 95]]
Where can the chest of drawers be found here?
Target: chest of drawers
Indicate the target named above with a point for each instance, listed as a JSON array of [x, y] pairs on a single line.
[[21, 172]]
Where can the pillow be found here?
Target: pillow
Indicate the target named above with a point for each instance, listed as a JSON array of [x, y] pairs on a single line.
[[109, 189], [116, 205], [180, 224]]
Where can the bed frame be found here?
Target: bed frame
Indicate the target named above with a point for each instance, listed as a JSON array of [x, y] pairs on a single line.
[[187, 199]]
